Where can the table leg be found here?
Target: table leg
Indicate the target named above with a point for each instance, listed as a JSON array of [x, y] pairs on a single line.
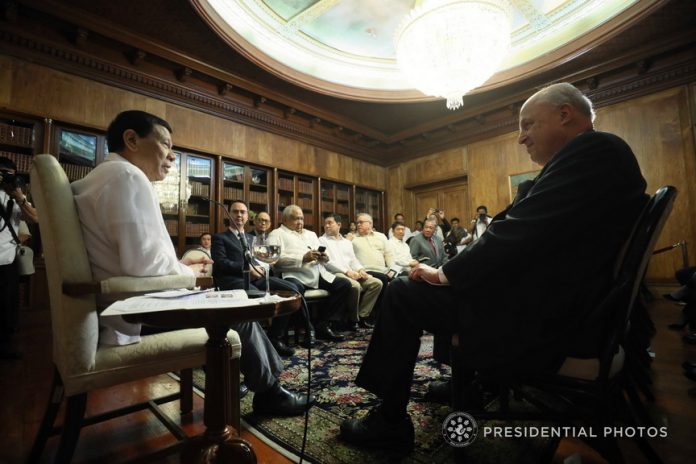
[[219, 443]]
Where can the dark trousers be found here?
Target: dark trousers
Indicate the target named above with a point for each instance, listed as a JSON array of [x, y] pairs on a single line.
[[378, 304], [408, 309], [335, 303], [9, 300]]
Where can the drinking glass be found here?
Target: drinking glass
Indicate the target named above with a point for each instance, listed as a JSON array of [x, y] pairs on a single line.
[[265, 252]]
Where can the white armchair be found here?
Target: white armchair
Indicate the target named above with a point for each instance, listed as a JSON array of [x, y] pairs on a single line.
[[81, 365]]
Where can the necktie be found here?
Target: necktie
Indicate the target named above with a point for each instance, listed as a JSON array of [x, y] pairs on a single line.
[[432, 245]]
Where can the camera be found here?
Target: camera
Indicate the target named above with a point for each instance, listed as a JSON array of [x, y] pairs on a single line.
[[8, 178], [482, 217]]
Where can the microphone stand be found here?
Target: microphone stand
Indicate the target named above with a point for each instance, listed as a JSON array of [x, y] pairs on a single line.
[[246, 252]]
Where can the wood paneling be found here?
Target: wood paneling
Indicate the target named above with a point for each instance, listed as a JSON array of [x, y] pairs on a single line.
[[658, 129], [63, 97]]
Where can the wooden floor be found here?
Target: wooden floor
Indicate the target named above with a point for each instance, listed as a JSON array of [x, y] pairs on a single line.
[[24, 387]]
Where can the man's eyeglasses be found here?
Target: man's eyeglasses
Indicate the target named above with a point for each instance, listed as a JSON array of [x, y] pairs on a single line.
[[262, 220], [238, 211], [363, 222]]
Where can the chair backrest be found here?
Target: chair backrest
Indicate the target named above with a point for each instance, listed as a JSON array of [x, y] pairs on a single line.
[[631, 270], [74, 319]]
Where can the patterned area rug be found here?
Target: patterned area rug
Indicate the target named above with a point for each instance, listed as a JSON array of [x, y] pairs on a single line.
[[334, 366]]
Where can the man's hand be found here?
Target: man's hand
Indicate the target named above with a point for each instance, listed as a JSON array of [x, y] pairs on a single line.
[[254, 274], [363, 274], [323, 257], [353, 275], [188, 261], [311, 255], [424, 272]]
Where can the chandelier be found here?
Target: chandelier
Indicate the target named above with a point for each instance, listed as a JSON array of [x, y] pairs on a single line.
[[168, 190], [448, 47]]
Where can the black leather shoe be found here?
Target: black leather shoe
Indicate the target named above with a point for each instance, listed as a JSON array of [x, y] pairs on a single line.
[[347, 327], [689, 365], [373, 430], [690, 339], [279, 402], [243, 390], [669, 296], [281, 348], [439, 391], [324, 332], [365, 324], [690, 374], [308, 341]]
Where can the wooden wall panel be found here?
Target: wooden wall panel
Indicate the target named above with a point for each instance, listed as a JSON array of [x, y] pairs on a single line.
[[435, 168], [659, 130], [491, 162], [45, 92]]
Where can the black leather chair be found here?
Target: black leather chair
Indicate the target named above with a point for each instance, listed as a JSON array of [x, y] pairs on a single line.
[[591, 392]]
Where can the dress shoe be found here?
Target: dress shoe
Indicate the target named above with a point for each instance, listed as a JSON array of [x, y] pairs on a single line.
[[347, 326], [324, 332], [669, 296], [365, 324], [243, 390], [375, 431], [281, 348], [689, 365], [690, 339], [439, 391], [308, 341], [277, 401], [690, 373]]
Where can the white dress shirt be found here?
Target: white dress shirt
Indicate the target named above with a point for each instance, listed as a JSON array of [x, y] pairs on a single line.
[[341, 255], [8, 247], [402, 252], [124, 232], [293, 246]]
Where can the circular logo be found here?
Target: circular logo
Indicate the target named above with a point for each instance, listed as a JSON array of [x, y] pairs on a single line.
[[459, 429]]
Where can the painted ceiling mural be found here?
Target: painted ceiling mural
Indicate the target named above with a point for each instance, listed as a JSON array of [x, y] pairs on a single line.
[[350, 43]]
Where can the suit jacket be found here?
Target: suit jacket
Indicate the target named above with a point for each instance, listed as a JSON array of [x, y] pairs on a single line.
[[529, 284], [228, 259], [420, 247]]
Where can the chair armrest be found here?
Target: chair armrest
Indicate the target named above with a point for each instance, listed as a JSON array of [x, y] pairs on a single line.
[[146, 284]]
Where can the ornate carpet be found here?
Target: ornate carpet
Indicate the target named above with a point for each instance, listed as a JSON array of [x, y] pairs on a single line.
[[334, 366]]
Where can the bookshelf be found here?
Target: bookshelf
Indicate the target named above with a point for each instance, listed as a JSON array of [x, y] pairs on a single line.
[[336, 198], [298, 190]]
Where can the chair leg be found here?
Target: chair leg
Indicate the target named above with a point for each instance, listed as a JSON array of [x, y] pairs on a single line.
[[56, 398], [74, 414], [186, 391]]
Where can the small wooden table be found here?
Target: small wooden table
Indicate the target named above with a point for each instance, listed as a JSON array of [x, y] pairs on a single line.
[[219, 443]]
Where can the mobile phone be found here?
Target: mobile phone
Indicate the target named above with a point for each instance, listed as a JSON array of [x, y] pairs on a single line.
[[423, 259], [321, 249], [391, 274]]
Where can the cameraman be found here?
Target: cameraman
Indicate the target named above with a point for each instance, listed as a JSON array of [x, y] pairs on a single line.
[[14, 207], [480, 224]]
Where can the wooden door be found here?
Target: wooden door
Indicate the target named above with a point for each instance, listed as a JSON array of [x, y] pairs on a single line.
[[452, 197]]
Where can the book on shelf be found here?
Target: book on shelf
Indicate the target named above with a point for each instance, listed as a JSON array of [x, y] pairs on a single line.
[[16, 135]]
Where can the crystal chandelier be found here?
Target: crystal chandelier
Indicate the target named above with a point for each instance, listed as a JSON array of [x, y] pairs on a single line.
[[448, 47], [168, 190]]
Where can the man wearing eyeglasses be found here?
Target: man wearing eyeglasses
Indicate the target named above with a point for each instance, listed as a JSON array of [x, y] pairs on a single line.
[[262, 224]]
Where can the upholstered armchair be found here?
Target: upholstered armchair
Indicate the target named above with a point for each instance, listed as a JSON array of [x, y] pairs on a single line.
[[81, 364]]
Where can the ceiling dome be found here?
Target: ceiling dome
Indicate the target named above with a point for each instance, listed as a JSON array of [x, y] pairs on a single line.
[[345, 48]]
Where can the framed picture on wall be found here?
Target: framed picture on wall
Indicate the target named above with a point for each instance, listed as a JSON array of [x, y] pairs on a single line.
[[517, 179]]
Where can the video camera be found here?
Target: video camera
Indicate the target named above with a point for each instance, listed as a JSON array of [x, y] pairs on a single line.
[[10, 179]]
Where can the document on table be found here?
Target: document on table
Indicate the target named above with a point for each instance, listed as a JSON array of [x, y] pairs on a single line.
[[200, 300]]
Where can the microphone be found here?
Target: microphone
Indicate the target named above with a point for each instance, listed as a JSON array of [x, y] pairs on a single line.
[[242, 238]]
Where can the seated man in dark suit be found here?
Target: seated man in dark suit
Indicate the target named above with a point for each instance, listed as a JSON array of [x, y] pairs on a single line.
[[428, 245], [228, 252], [546, 270]]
